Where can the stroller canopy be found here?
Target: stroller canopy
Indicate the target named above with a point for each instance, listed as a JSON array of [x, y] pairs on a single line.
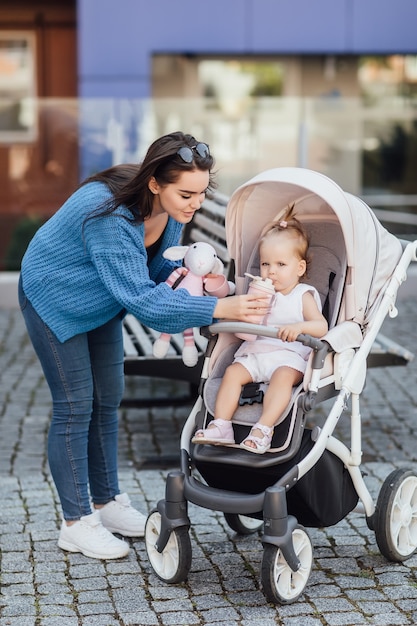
[[371, 252]]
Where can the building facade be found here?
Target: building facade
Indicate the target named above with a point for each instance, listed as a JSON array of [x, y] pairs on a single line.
[[119, 41], [87, 83]]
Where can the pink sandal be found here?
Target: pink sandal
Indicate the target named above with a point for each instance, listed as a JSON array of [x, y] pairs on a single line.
[[219, 431], [262, 444]]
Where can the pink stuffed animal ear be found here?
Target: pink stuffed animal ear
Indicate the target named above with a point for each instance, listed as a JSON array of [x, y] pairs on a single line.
[[219, 286], [216, 286]]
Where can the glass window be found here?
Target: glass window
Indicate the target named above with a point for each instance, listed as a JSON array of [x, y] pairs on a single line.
[[17, 87]]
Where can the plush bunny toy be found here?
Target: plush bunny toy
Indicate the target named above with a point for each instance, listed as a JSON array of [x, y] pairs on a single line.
[[201, 275]]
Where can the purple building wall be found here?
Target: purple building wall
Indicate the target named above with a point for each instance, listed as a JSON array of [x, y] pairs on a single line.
[[116, 39]]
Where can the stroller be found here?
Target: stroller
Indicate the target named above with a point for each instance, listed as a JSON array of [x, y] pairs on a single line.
[[308, 478]]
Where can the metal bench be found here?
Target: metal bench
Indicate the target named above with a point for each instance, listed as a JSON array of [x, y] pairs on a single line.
[[208, 225]]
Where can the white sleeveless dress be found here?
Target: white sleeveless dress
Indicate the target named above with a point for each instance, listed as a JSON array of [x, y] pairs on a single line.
[[263, 356]]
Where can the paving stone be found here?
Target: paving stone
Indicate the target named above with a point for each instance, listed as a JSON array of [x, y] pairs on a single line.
[[51, 610], [345, 619], [100, 620], [143, 618], [306, 621]]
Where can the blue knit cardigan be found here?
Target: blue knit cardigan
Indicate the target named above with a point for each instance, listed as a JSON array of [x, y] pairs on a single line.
[[78, 278]]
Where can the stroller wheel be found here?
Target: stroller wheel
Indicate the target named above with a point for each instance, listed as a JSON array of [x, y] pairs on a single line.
[[396, 516], [173, 563], [242, 524], [280, 584]]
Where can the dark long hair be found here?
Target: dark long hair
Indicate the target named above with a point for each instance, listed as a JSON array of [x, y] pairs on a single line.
[[128, 183]]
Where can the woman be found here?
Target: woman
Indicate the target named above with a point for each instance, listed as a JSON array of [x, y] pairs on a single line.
[[97, 258]]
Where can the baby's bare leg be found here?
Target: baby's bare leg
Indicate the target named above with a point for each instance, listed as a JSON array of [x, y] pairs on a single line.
[[278, 394], [228, 395], [220, 430], [276, 398]]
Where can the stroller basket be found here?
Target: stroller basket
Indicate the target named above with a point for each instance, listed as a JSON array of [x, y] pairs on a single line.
[[323, 497]]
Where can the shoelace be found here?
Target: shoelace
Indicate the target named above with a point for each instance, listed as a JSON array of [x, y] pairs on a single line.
[[103, 533]]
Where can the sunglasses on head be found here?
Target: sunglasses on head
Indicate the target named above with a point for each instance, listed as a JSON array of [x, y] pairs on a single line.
[[186, 152]]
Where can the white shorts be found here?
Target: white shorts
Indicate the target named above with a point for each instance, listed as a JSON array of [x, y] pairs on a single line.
[[261, 365]]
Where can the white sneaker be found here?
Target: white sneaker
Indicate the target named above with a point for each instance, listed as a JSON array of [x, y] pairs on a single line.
[[118, 516], [89, 537]]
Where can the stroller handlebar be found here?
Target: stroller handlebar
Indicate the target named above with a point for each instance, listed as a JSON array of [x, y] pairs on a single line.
[[312, 342], [259, 329]]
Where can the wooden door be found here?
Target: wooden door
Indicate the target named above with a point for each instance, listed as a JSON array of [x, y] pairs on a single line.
[[38, 128]]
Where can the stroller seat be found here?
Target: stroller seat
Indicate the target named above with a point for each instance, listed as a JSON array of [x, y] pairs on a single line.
[[326, 272]]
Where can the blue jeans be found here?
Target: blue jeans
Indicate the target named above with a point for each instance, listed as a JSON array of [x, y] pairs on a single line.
[[85, 376]]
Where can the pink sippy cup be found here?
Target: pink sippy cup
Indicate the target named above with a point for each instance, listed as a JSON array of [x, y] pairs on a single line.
[[259, 286]]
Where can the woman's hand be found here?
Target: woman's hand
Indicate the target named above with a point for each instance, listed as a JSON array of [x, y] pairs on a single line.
[[241, 308]]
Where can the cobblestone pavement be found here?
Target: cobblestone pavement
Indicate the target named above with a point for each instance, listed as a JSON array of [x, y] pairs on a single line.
[[40, 585]]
